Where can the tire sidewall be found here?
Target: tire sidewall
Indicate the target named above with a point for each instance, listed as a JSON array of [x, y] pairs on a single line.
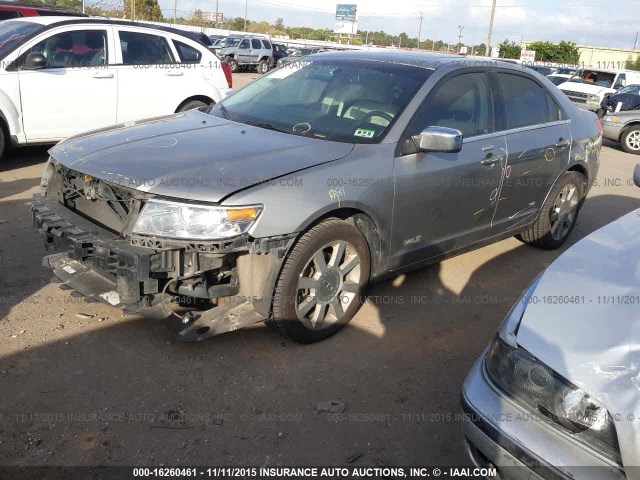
[[298, 259], [569, 177], [625, 136], [233, 64]]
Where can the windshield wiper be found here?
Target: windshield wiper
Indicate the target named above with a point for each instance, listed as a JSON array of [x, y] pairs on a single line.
[[267, 126]]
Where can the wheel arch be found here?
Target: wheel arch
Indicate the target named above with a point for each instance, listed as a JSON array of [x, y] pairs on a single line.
[[201, 98], [624, 129]]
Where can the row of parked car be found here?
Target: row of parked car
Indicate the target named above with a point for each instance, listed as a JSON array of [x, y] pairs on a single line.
[[613, 94]]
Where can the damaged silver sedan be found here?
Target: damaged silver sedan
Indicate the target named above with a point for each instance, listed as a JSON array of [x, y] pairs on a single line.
[[283, 201]]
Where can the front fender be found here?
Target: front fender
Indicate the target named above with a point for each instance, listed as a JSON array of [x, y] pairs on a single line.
[[10, 114]]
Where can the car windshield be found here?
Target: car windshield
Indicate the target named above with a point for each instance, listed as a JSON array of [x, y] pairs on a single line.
[[13, 32], [594, 77], [353, 101], [228, 42], [633, 89]]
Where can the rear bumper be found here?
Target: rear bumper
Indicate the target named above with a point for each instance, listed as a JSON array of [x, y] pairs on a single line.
[[500, 433]]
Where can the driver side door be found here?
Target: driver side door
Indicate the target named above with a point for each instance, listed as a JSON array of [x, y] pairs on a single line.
[[76, 91], [445, 201]]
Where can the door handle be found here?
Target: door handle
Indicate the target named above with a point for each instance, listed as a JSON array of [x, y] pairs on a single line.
[[174, 74], [103, 75], [487, 148], [562, 143], [491, 160]]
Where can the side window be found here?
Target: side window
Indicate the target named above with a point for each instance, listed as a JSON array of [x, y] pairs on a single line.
[[244, 44], [621, 81], [186, 53], [555, 113], [266, 44], [77, 48], [144, 49], [462, 102], [8, 14], [255, 44], [524, 101]]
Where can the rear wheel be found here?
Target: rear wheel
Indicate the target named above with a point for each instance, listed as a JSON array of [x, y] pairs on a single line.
[[262, 67], [319, 289], [191, 105], [630, 140], [558, 215]]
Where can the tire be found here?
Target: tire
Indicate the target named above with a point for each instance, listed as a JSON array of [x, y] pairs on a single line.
[[320, 286], [630, 140], [601, 112], [558, 214], [262, 67], [192, 105], [233, 65]]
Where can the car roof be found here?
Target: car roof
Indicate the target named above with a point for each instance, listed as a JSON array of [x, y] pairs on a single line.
[[53, 21], [419, 59]]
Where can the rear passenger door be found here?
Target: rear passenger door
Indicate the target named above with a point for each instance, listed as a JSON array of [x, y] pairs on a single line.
[[76, 91], [538, 137], [445, 201], [256, 50], [150, 83]]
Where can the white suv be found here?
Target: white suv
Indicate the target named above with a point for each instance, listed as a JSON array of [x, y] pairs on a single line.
[[60, 76]]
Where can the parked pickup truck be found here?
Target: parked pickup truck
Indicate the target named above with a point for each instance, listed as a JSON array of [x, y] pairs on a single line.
[[588, 86]]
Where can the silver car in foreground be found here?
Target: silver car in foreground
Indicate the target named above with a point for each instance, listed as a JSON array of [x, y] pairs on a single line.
[[623, 127], [557, 392], [282, 202]]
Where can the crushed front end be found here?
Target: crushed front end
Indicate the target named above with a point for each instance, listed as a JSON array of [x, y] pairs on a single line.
[[88, 227]]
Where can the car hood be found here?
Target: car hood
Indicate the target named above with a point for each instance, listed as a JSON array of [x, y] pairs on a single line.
[[583, 88], [193, 156], [595, 341]]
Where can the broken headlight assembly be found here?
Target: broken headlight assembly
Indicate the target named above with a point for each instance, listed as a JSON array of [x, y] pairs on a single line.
[[162, 218], [545, 393]]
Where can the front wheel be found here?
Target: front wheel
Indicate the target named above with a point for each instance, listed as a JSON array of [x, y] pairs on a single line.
[[558, 215], [320, 287], [233, 65], [630, 140]]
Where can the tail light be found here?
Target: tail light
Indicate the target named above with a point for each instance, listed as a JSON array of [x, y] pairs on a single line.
[[599, 125], [226, 68]]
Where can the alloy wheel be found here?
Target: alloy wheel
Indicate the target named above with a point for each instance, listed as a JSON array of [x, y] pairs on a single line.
[[328, 285], [563, 212], [633, 140]]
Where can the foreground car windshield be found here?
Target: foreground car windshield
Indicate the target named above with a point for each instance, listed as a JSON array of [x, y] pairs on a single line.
[[352, 101], [13, 32]]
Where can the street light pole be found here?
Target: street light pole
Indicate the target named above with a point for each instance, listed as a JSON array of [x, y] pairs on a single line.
[[460, 29], [420, 30], [246, 3], [175, 10], [493, 14], [473, 42]]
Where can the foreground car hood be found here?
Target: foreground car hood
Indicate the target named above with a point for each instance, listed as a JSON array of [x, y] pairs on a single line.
[[194, 156], [595, 343]]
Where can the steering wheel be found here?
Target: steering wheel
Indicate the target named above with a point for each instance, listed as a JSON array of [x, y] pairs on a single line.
[[378, 113]]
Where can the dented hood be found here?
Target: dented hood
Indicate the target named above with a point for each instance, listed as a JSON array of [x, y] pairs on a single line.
[[594, 342], [193, 156]]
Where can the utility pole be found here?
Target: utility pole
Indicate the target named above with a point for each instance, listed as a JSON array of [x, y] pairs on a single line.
[[246, 3], [460, 29], [635, 44], [133, 10], [175, 10], [420, 30], [217, 13], [83, 10], [473, 47], [493, 14]]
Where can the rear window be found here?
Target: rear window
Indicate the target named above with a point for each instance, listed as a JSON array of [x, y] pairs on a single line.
[[525, 102], [144, 49], [186, 53], [256, 44], [7, 14]]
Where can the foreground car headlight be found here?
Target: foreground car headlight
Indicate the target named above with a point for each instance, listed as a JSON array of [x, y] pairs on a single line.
[[194, 222], [545, 393]]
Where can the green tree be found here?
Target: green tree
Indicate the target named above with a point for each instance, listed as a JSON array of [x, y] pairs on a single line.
[[563, 52], [509, 49], [144, 10], [632, 64]]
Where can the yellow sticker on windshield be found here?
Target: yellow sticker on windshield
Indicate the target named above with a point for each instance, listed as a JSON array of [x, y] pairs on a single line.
[[363, 132]]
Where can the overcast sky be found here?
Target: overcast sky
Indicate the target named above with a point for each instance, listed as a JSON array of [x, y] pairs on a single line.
[[590, 22]]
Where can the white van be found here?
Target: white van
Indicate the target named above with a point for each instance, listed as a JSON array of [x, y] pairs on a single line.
[[588, 86]]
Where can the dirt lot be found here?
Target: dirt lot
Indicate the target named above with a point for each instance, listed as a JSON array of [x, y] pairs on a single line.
[[81, 384]]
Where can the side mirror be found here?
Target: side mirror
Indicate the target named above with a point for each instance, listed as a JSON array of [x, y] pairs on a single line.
[[35, 61], [636, 175], [439, 139]]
